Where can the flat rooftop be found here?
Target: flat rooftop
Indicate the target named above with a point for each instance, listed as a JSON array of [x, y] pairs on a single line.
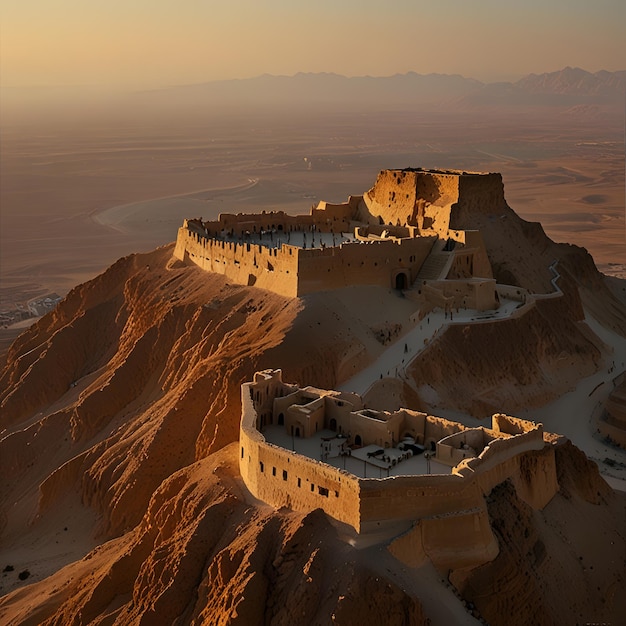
[[359, 463]]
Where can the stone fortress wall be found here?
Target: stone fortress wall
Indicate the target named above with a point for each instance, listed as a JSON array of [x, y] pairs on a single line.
[[443, 515], [406, 217]]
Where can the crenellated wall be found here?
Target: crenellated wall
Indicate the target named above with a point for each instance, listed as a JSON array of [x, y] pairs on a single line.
[[275, 269], [292, 271], [396, 224]]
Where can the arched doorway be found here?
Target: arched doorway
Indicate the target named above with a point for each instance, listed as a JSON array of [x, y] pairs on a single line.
[[281, 419], [358, 441], [401, 281], [333, 424], [297, 431]]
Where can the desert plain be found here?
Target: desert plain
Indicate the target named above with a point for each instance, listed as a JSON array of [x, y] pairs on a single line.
[[79, 192]]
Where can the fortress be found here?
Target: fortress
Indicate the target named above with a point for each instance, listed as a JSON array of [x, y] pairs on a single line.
[[416, 479], [401, 233], [307, 448]]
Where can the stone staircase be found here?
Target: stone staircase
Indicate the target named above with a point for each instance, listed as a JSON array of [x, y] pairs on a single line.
[[435, 266]]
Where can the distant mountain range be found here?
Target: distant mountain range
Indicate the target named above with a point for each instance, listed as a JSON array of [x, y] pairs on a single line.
[[566, 87]]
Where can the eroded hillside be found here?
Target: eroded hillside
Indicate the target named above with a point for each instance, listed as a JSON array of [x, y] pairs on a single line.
[[119, 492]]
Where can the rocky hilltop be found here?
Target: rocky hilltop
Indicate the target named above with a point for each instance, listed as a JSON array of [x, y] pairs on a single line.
[[120, 499]]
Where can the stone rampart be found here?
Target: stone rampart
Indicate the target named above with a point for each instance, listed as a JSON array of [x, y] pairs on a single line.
[[275, 269], [281, 477], [396, 224], [366, 263], [292, 271]]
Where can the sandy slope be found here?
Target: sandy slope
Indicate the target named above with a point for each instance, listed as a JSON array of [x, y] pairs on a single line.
[[117, 412]]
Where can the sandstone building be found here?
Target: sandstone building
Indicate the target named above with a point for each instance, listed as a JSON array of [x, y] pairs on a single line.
[[399, 234], [442, 515]]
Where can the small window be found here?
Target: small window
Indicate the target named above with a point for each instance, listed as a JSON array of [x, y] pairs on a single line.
[[312, 487], [336, 494], [284, 474], [242, 452], [261, 466], [323, 491], [299, 482], [273, 471]]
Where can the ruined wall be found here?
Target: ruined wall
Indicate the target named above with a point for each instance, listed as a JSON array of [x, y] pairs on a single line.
[[416, 197], [478, 194], [432, 200], [335, 218]]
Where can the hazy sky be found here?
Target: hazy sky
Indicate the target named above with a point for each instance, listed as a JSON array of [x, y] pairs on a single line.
[[164, 42]]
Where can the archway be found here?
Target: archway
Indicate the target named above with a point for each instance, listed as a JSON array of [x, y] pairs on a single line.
[[333, 424], [297, 431], [281, 419], [358, 441], [401, 281]]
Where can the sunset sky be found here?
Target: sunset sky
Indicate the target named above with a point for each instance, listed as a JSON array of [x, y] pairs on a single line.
[[145, 43]]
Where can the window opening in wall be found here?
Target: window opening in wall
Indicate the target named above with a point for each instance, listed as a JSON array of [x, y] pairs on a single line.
[[312, 487], [284, 474], [299, 482], [261, 466], [273, 471], [323, 491], [242, 452], [336, 494]]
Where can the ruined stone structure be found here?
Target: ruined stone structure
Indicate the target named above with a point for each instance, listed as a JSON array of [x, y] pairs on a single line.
[[442, 516], [400, 233]]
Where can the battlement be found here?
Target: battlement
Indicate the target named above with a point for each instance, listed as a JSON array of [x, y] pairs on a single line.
[[382, 238]]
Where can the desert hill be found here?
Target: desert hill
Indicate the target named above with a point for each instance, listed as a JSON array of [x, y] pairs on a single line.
[[120, 493]]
